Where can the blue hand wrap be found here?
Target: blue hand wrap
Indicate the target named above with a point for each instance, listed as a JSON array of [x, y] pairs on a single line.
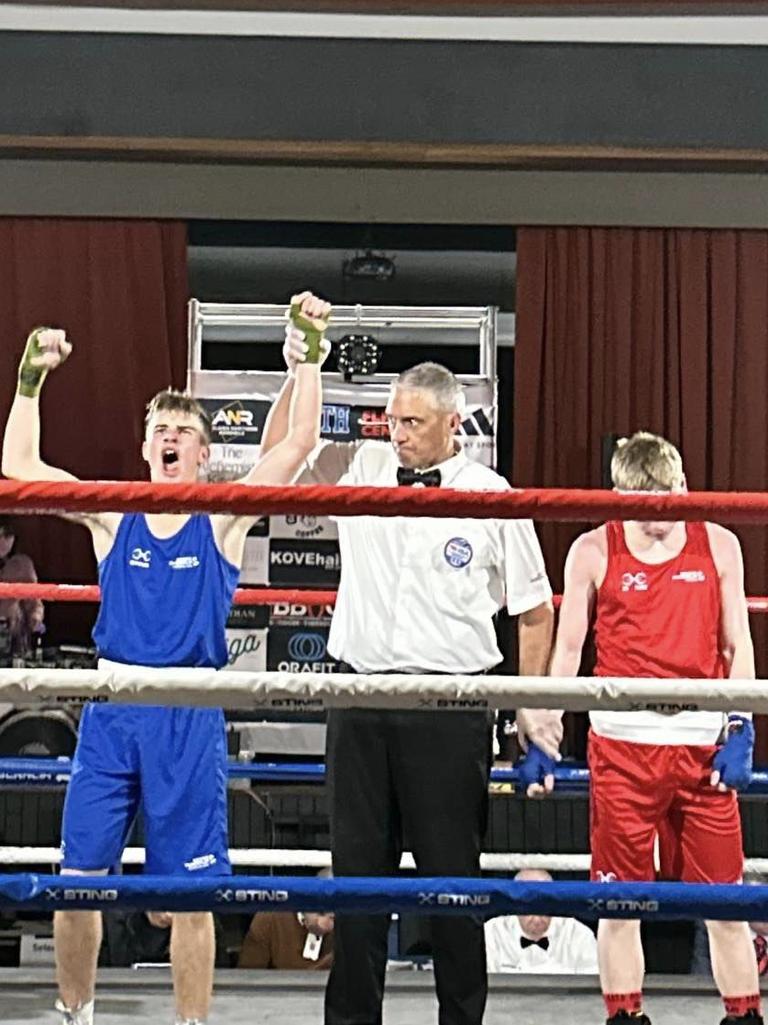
[[534, 766], [734, 759]]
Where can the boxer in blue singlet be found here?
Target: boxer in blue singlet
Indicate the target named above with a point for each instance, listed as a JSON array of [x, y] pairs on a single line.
[[167, 582]]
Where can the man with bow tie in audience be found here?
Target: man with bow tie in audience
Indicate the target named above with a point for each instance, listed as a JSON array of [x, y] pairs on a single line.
[[419, 595], [538, 945]]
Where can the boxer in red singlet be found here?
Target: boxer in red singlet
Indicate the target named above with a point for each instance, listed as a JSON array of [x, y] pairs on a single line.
[[669, 601]]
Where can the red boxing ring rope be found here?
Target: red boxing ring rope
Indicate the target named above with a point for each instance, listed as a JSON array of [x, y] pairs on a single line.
[[560, 504], [242, 596], [92, 593], [564, 504]]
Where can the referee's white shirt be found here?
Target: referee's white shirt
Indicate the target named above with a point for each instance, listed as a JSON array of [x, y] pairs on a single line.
[[419, 593]]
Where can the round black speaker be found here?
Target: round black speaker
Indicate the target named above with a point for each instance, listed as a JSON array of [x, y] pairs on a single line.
[[35, 732]]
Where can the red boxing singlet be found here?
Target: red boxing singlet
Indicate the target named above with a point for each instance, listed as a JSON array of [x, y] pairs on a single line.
[[659, 620], [649, 769]]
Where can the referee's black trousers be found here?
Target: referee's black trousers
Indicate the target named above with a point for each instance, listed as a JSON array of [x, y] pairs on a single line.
[[422, 776]]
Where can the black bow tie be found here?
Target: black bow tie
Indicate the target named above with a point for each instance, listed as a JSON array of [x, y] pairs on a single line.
[[429, 478], [543, 942]]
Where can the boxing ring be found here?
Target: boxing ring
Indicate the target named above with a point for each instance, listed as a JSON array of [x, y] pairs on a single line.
[[410, 995]]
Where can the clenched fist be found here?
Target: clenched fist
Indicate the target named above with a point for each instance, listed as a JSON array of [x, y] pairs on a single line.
[[46, 349], [304, 334]]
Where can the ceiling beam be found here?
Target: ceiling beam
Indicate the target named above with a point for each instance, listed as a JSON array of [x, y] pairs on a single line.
[[384, 154], [479, 8]]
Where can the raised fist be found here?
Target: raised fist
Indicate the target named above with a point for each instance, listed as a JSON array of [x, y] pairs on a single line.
[[51, 348], [304, 333], [46, 349]]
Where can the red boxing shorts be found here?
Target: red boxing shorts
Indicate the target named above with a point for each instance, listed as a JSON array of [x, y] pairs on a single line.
[[640, 790]]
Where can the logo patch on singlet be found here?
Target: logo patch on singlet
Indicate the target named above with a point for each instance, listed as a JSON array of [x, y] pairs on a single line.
[[201, 861], [458, 552], [691, 576], [184, 562], [634, 581], [140, 557]]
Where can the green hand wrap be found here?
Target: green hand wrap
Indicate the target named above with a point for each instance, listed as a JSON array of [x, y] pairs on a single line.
[[31, 377], [312, 335]]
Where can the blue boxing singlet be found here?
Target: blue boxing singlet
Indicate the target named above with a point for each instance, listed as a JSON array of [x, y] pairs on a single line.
[[164, 601]]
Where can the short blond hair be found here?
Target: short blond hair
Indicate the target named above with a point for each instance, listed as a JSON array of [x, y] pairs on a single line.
[[646, 462], [172, 401]]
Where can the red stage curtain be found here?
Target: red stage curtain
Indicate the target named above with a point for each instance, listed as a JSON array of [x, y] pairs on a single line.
[[119, 289], [623, 329]]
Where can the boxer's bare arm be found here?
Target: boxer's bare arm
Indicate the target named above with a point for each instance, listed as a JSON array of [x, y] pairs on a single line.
[[294, 353], [735, 636], [45, 351], [292, 431], [584, 572], [282, 463]]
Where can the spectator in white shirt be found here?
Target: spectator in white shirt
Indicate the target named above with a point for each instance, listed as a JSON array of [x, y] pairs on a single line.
[[538, 944], [420, 595]]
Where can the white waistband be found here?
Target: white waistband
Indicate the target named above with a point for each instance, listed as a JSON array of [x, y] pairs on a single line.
[[106, 663], [695, 728]]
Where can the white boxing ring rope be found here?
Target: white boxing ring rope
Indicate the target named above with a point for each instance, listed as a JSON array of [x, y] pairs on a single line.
[[267, 857], [316, 691], [307, 691]]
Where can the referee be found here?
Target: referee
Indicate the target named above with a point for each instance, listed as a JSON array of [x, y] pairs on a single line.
[[419, 596]]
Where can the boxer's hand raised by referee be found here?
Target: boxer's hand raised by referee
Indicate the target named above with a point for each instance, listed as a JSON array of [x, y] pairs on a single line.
[[307, 314]]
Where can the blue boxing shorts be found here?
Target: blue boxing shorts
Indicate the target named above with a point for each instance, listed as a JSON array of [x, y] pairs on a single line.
[[169, 762]]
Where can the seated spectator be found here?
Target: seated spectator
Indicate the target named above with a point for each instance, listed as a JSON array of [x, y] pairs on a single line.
[[281, 939], [132, 937], [537, 944], [24, 617], [144, 937]]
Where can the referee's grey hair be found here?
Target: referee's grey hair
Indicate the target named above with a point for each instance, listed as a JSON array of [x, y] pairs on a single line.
[[439, 382]]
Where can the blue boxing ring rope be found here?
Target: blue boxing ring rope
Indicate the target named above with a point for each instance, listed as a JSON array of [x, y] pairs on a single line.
[[422, 895], [56, 771]]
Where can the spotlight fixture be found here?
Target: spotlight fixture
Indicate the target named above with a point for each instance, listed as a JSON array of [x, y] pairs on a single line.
[[357, 354], [370, 266]]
